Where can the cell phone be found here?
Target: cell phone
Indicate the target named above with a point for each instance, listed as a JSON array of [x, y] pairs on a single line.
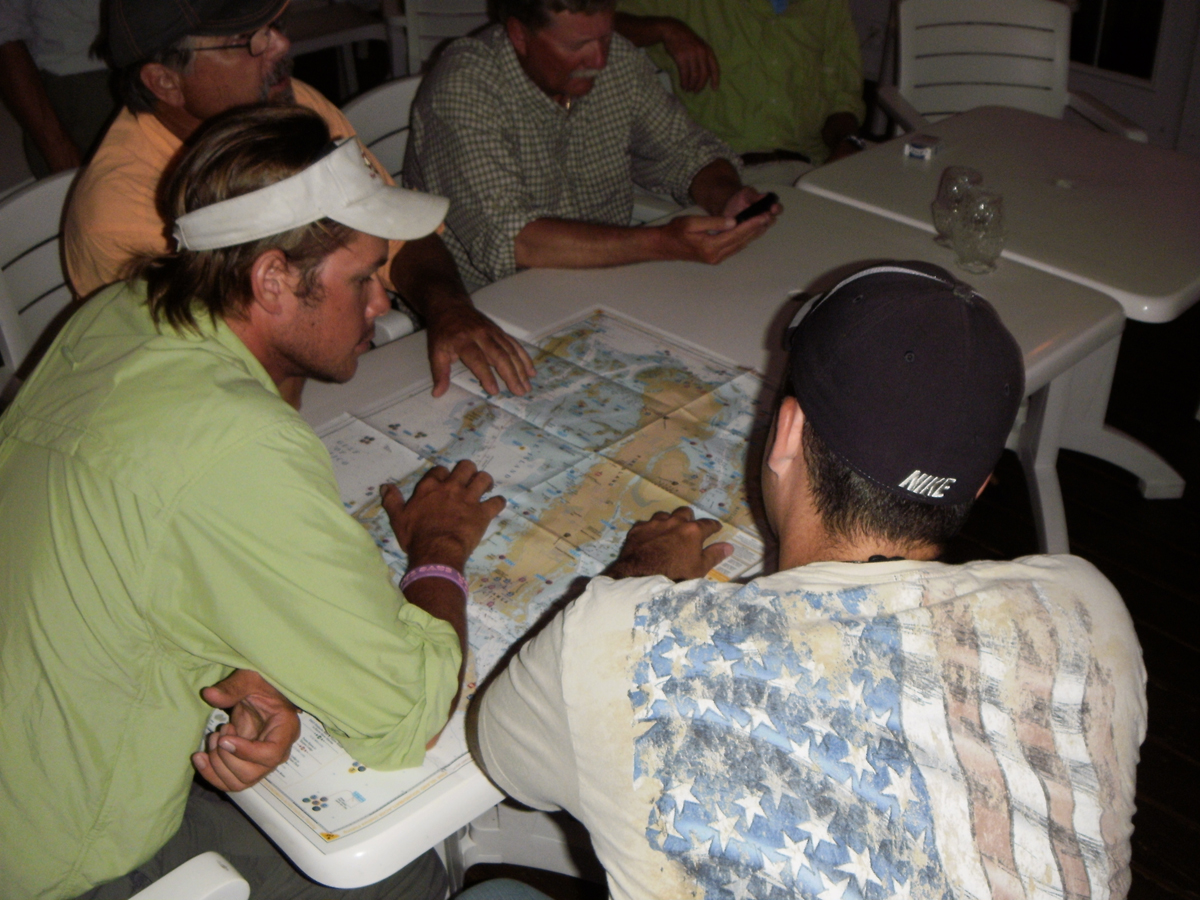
[[757, 208]]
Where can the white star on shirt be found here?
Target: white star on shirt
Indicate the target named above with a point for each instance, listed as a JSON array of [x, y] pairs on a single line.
[[776, 785], [721, 666], [759, 716], [857, 757], [653, 689], [676, 653], [833, 891], [667, 821], [794, 851], [854, 692], [801, 752], [902, 789], [772, 871], [786, 683], [860, 867], [705, 704], [739, 887], [751, 649], [901, 891], [751, 807], [818, 829], [681, 794], [881, 718], [725, 827]]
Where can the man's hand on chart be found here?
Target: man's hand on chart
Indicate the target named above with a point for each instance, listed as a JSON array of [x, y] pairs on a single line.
[[671, 544], [462, 332], [445, 518], [695, 60], [263, 725]]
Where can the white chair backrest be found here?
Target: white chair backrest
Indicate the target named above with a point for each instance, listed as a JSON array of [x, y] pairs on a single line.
[[431, 22], [33, 289], [958, 54], [380, 117]]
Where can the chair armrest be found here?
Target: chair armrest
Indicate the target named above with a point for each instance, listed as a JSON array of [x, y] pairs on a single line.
[[647, 206], [900, 110], [204, 877], [1105, 116]]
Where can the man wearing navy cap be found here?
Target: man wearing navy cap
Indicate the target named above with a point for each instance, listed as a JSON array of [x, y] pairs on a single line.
[[866, 722], [178, 63]]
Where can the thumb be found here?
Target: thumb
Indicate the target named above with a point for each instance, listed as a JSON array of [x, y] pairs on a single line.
[[715, 554], [392, 499], [217, 697], [439, 363]]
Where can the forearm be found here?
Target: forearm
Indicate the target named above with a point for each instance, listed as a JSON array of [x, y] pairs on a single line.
[[714, 185], [25, 96], [424, 274], [563, 244], [642, 31]]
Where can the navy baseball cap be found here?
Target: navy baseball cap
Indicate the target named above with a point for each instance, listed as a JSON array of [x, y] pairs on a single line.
[[910, 378], [137, 29]]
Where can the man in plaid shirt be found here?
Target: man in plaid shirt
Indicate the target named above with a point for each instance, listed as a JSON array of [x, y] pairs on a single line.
[[539, 128]]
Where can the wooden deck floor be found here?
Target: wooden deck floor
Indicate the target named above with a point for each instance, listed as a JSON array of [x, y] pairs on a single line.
[[1151, 551]]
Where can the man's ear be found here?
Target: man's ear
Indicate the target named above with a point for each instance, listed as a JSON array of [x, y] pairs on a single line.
[[983, 486], [786, 443], [272, 283], [164, 83], [518, 35]]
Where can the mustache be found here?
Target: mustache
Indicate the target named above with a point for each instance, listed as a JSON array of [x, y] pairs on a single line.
[[280, 72]]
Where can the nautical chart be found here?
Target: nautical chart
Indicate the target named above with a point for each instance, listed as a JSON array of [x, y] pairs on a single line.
[[621, 423]]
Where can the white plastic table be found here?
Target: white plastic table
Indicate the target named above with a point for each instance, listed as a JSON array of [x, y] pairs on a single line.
[[1116, 215], [738, 310]]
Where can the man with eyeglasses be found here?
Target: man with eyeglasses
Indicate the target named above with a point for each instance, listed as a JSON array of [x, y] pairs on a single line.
[[177, 64]]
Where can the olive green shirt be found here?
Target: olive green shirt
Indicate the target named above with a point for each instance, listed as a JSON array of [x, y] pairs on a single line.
[[782, 75], [164, 518]]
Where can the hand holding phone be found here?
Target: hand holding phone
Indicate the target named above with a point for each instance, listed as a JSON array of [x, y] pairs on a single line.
[[757, 208]]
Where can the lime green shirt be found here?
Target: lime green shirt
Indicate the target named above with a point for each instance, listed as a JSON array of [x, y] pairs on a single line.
[[164, 518], [782, 75]]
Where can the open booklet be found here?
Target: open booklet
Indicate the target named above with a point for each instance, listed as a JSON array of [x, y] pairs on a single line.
[[621, 423]]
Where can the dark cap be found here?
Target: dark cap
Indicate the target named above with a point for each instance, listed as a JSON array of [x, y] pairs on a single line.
[[910, 378], [137, 29]]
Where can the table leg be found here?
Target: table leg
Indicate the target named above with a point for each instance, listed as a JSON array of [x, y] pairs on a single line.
[[452, 859], [1084, 429], [1037, 448]]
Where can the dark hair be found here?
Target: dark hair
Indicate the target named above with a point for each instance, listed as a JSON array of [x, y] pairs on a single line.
[[535, 14], [852, 506], [127, 80], [233, 154]]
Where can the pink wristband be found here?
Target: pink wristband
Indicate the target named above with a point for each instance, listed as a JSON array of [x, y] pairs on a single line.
[[433, 570]]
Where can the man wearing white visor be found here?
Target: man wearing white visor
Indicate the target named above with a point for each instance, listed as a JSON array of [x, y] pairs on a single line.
[[167, 519], [177, 64]]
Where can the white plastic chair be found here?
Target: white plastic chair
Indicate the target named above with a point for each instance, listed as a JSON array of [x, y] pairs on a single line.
[[432, 22], [520, 837], [320, 24], [208, 876], [955, 55], [380, 118], [33, 289]]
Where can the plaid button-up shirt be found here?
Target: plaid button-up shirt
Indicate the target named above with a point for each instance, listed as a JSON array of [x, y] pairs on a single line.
[[505, 154]]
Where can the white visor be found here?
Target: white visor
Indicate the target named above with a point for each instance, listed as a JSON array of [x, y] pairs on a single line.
[[342, 186]]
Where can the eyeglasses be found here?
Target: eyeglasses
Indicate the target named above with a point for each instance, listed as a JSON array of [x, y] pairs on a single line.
[[256, 42]]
